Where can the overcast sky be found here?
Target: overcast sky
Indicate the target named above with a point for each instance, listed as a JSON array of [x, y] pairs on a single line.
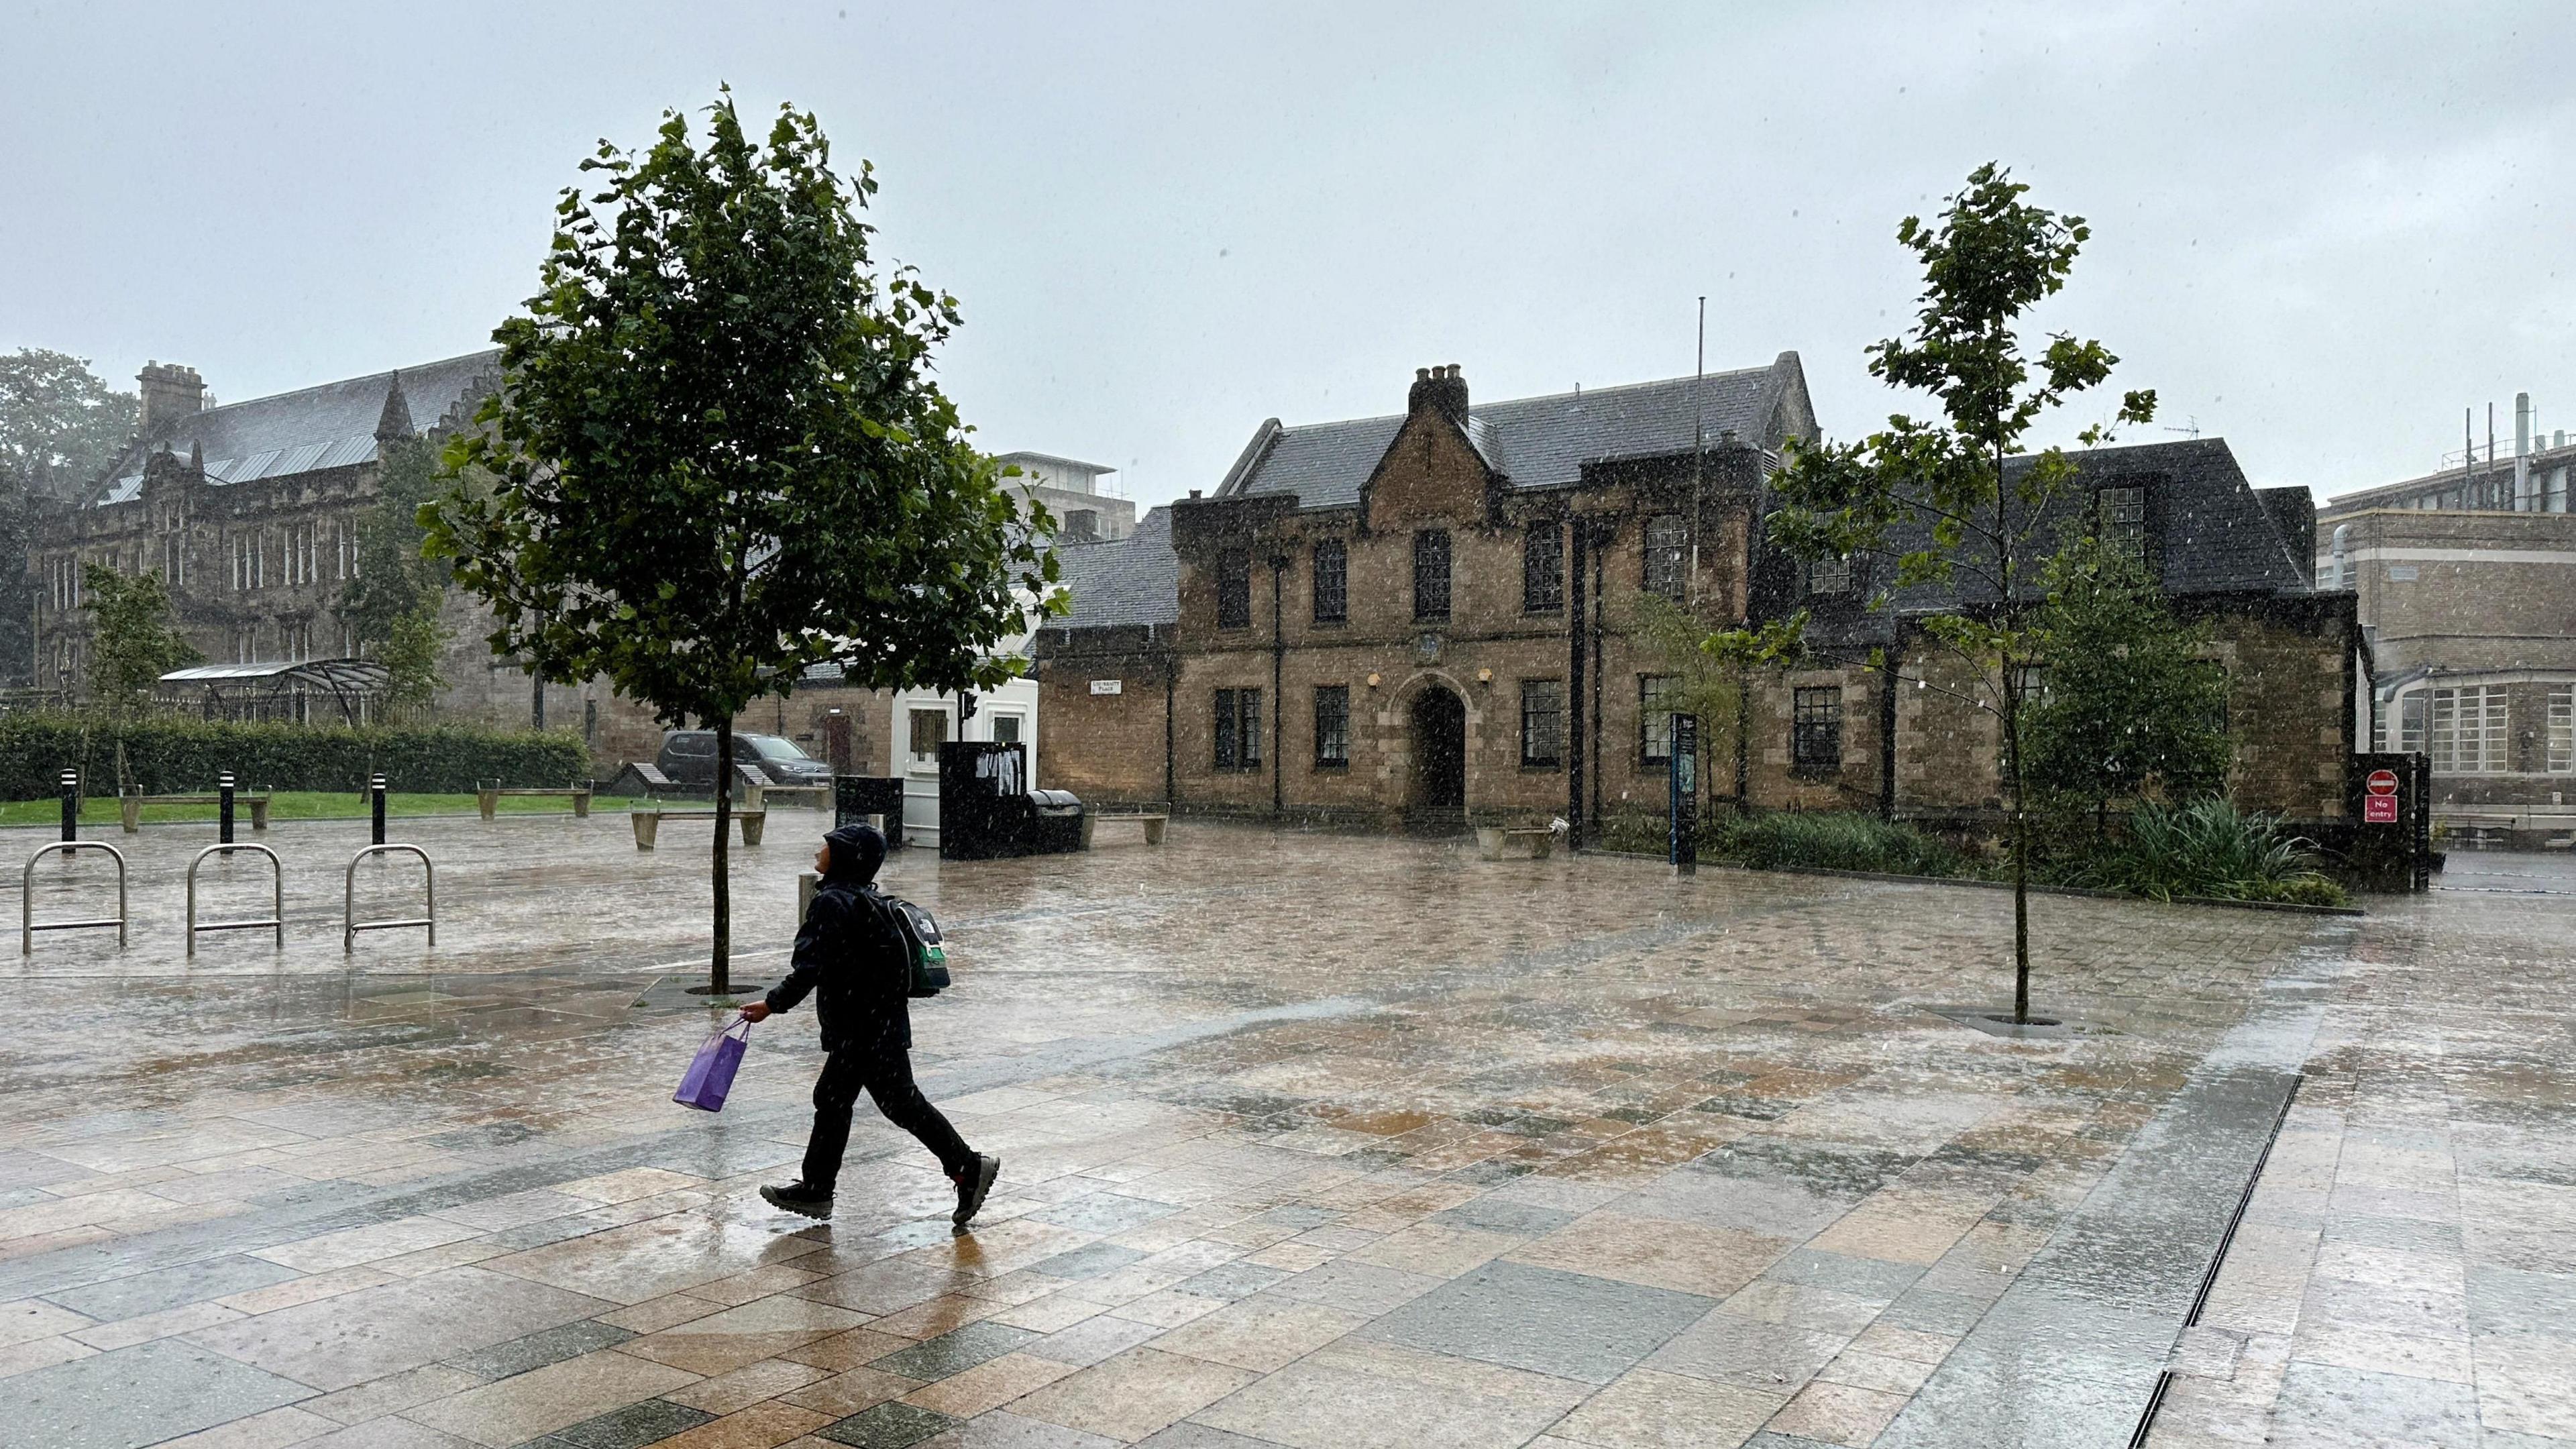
[[2321, 231]]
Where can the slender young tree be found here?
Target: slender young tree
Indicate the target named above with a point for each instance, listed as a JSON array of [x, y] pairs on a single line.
[[718, 457], [1938, 497], [134, 643]]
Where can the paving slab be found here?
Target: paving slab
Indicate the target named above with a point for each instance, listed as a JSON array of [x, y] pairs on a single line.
[[1380, 1143]]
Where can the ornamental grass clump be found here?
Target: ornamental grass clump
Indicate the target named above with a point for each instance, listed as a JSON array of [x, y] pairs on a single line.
[[2212, 850], [1791, 840]]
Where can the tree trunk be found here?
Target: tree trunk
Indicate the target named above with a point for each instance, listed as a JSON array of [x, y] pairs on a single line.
[[720, 969], [2020, 853]]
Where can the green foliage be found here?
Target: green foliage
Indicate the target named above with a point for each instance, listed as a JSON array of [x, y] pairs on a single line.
[[176, 756], [59, 427], [394, 580], [1668, 640], [135, 643], [410, 656], [1818, 840], [1935, 497], [718, 456], [59, 424], [2210, 849], [2130, 706]]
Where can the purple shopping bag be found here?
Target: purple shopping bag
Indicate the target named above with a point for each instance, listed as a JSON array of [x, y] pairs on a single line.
[[710, 1076]]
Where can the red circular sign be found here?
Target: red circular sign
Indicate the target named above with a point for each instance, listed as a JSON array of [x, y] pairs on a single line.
[[2382, 782]]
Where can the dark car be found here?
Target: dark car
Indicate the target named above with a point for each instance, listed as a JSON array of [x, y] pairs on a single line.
[[689, 758]]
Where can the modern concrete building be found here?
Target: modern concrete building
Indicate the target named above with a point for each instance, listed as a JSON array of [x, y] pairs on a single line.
[[1086, 509], [2466, 584]]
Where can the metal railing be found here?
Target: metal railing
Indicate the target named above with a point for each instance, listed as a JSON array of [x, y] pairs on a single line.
[[350, 925], [28, 925], [276, 919]]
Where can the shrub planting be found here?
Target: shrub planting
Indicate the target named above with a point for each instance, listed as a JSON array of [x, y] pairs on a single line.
[[2209, 848], [1788, 840], [174, 756]]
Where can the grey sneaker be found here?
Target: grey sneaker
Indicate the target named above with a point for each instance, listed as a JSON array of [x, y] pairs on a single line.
[[972, 1185], [796, 1197]]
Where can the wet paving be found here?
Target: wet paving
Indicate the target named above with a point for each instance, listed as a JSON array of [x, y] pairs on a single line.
[[1310, 1140], [2406, 1271]]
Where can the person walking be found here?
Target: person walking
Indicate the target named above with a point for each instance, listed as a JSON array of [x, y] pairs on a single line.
[[852, 958]]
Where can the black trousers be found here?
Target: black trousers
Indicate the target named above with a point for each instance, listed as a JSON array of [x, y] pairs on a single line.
[[885, 1074]]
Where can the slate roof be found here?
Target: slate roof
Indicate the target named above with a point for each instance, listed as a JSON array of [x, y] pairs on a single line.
[[1537, 442], [330, 426], [2214, 534], [1136, 580]]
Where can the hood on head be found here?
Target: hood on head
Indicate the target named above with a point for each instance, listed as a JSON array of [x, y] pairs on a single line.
[[857, 851]]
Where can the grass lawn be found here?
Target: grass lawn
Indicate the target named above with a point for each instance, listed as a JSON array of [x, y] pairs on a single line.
[[298, 805]]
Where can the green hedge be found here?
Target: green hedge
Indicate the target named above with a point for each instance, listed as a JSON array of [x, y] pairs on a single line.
[[177, 756]]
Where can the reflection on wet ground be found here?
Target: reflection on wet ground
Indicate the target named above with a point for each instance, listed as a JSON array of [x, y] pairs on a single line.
[[1311, 1140]]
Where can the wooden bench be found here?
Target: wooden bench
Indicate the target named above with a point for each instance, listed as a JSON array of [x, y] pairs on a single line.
[[487, 798], [757, 797], [1513, 842], [648, 822], [1153, 826], [130, 806]]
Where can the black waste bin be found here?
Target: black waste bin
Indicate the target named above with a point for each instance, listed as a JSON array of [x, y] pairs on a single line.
[[856, 797], [1055, 824]]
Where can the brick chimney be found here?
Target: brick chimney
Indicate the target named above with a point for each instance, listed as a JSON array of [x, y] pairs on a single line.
[[1441, 390], [170, 392]]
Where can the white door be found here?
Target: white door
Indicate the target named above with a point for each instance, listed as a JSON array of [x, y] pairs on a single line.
[[922, 725]]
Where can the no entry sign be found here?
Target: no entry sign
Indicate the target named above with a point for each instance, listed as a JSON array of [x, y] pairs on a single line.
[[2379, 803]]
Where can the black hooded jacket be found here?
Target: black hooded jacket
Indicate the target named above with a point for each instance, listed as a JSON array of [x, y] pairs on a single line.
[[850, 954]]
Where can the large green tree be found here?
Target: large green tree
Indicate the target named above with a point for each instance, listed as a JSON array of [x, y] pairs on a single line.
[[59, 425], [718, 456], [1937, 497], [2131, 703], [133, 643]]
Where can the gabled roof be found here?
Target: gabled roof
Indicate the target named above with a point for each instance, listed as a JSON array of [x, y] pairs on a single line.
[[2214, 534], [330, 426], [1135, 580], [1539, 442]]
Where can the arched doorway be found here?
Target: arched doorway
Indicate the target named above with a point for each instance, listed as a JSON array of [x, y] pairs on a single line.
[[1439, 750]]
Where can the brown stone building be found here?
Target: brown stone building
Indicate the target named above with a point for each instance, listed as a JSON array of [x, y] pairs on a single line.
[[1915, 745], [2466, 584], [1426, 617], [250, 511]]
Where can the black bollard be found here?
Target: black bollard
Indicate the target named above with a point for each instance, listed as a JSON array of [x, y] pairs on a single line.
[[71, 805], [376, 806], [224, 808]]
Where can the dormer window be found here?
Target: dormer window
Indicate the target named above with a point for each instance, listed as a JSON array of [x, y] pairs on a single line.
[[2120, 519], [1829, 576]]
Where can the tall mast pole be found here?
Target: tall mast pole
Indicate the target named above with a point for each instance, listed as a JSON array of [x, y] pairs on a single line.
[[1699, 443]]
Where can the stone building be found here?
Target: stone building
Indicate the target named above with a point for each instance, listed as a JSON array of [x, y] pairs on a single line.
[[250, 512], [2466, 585], [1426, 617], [1419, 616], [1905, 736]]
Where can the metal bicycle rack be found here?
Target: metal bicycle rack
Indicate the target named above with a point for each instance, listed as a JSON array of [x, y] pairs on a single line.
[[276, 919], [28, 925], [350, 925]]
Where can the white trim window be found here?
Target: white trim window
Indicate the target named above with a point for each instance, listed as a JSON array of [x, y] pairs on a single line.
[[2562, 730], [2463, 729]]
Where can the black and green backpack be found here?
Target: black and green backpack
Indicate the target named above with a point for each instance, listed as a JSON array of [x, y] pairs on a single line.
[[921, 941]]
